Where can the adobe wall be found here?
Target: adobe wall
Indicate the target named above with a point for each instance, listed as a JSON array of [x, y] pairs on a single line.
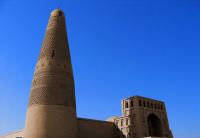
[[87, 128], [95, 129], [18, 134]]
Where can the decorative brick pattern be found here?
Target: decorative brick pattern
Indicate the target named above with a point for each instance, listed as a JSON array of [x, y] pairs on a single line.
[[53, 82], [48, 96]]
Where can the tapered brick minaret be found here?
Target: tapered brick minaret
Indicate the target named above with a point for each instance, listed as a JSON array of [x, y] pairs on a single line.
[[51, 111]]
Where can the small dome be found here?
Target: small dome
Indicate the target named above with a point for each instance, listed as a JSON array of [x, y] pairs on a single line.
[[57, 12]]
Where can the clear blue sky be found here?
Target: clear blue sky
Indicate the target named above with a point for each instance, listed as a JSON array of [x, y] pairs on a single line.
[[119, 48]]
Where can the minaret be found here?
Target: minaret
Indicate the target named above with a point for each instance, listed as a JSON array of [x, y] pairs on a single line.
[[51, 111]]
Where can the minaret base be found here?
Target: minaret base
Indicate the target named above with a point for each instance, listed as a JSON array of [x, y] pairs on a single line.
[[53, 121]]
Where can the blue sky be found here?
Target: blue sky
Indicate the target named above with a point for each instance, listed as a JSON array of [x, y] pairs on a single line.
[[119, 48]]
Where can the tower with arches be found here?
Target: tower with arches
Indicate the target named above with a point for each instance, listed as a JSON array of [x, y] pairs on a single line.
[[143, 117]]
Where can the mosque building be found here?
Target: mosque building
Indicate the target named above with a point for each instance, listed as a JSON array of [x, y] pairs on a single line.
[[51, 111]]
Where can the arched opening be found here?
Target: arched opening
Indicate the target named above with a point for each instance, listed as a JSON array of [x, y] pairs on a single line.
[[144, 103], [126, 104], [131, 103], [140, 103], [154, 125], [148, 104]]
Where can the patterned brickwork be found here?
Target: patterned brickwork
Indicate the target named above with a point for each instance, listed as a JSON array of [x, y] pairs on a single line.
[[55, 40], [53, 82]]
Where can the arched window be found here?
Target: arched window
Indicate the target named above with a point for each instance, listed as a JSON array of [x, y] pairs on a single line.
[[144, 103], [127, 121], [131, 103], [151, 105], [122, 122], [148, 104], [155, 106], [116, 122], [140, 103], [126, 104], [161, 107]]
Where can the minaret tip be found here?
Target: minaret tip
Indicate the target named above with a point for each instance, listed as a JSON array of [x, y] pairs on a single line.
[[57, 12]]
